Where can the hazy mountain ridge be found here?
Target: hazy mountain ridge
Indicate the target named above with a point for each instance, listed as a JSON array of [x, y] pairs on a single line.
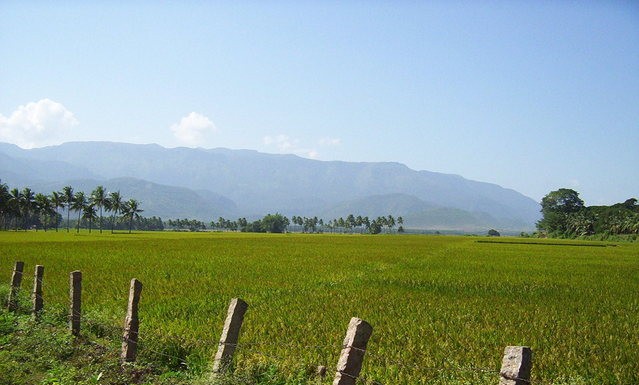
[[417, 213], [257, 183]]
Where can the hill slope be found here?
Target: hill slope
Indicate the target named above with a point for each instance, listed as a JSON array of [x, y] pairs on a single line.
[[156, 199], [259, 183]]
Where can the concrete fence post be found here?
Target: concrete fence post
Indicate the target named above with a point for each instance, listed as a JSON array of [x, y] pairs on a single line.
[[352, 356], [516, 366], [36, 296], [230, 335], [131, 323], [16, 281], [75, 295]]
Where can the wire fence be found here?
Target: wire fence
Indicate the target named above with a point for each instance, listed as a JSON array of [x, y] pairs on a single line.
[[106, 332], [252, 348]]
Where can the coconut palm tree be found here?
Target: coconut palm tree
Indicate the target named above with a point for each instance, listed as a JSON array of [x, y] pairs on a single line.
[[57, 201], [44, 207], [131, 211], [67, 192], [5, 198], [79, 203], [98, 198], [114, 204], [27, 205], [390, 223], [89, 213], [367, 223], [635, 225], [15, 196]]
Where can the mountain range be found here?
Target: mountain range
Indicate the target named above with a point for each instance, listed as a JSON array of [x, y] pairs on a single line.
[[208, 183]]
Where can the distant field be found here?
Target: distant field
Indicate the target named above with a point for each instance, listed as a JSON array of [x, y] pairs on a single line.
[[442, 307]]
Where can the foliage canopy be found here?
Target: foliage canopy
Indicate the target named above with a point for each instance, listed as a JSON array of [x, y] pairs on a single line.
[[565, 215]]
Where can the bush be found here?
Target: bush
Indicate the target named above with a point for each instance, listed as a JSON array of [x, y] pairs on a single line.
[[493, 233]]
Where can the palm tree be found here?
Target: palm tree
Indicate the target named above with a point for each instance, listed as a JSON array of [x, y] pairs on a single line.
[[57, 201], [5, 198], [27, 204], [89, 213], [367, 223], [359, 222], [67, 192], [44, 207], [635, 225], [132, 211], [400, 223], [390, 222], [350, 222], [98, 198], [79, 203], [15, 196], [114, 205]]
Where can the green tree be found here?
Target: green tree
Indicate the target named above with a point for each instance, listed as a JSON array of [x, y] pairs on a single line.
[[274, 223], [78, 205], [67, 192], [114, 204], [27, 205], [350, 222], [556, 206], [89, 213], [390, 222], [341, 223], [5, 198], [45, 209], [14, 206], [98, 199], [375, 226], [580, 223], [131, 211], [367, 223], [57, 201]]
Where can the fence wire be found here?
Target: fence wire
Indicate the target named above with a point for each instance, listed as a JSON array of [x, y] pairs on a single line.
[[254, 348]]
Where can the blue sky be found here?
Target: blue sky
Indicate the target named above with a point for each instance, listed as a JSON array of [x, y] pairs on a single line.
[[531, 95]]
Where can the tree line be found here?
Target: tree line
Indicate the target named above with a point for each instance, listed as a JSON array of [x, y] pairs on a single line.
[[565, 215], [271, 223], [23, 209], [277, 223], [350, 224]]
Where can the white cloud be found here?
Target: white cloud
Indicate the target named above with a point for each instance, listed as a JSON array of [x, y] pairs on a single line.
[[37, 124], [288, 145], [193, 129], [329, 142], [282, 142]]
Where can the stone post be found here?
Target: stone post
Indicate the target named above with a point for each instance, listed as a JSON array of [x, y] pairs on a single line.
[[16, 281], [516, 366], [75, 295], [230, 335], [36, 296], [352, 356], [131, 323]]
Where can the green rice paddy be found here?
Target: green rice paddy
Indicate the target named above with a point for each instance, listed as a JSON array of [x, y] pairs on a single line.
[[442, 307]]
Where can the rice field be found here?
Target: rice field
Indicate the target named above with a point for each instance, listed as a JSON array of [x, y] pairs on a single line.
[[442, 307]]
